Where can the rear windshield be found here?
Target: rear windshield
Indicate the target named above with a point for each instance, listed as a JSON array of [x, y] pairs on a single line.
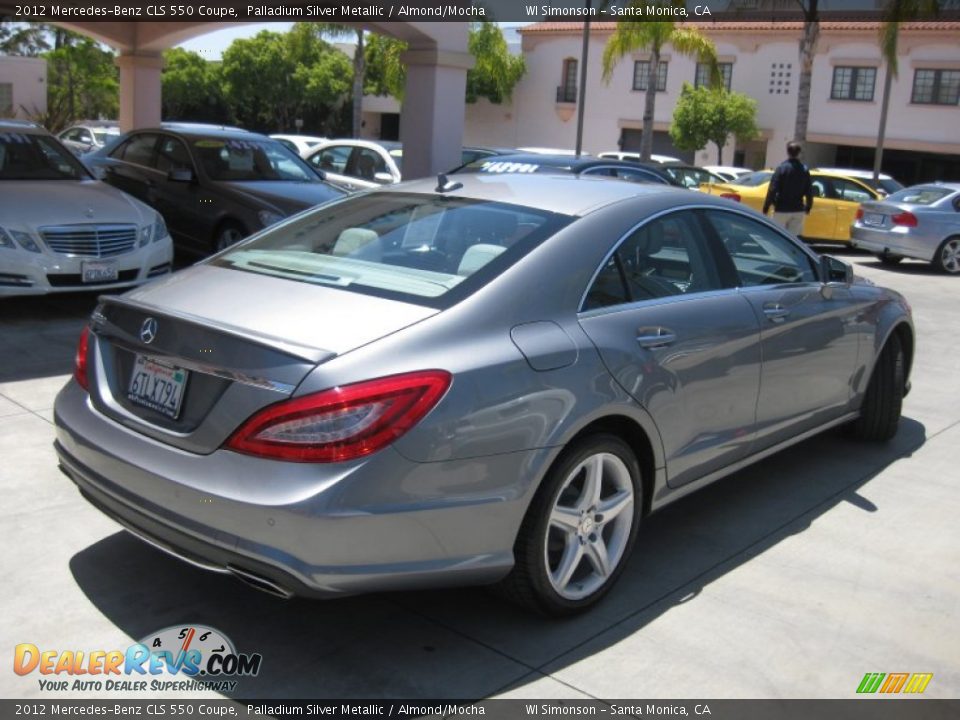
[[427, 249], [921, 195], [753, 179]]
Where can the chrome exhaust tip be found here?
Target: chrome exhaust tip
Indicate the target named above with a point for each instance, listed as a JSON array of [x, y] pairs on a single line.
[[260, 583]]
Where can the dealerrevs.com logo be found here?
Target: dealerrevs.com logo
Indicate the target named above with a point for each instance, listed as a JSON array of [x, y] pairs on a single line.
[[192, 657]]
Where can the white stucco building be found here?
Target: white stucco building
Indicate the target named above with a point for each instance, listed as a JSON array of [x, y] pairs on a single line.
[[23, 86], [762, 60]]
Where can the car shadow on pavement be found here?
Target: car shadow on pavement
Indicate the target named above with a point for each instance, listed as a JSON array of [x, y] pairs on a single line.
[[38, 335], [467, 643]]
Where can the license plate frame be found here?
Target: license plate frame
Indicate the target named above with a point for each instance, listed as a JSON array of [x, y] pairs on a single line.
[[873, 219], [99, 271], [157, 386]]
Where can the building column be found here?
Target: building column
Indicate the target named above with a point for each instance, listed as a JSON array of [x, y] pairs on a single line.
[[139, 90], [432, 116]]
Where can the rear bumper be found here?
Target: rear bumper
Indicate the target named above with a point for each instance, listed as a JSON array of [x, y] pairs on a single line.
[[893, 242], [383, 523]]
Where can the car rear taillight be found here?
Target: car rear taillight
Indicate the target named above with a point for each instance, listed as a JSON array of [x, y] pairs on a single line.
[[859, 213], [907, 219], [731, 196], [341, 423], [80, 359]]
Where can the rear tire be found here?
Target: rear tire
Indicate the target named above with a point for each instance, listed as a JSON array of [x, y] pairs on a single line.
[[889, 260], [579, 530], [883, 402], [947, 259]]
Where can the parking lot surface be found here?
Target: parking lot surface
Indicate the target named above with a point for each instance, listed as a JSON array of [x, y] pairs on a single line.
[[790, 579]]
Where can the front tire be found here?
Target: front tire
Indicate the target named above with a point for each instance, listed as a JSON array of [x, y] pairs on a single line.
[[947, 259], [579, 530], [883, 402]]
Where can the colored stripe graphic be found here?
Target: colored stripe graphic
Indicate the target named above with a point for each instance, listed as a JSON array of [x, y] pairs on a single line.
[[870, 682], [894, 682], [918, 682]]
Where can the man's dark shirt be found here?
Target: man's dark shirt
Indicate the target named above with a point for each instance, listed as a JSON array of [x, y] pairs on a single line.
[[790, 188]]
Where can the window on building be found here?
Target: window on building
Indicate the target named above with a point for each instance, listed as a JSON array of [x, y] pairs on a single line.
[[853, 83], [6, 99], [567, 92], [702, 75], [641, 71], [936, 87]]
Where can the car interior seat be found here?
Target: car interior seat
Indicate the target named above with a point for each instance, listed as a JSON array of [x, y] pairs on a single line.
[[359, 244], [477, 256]]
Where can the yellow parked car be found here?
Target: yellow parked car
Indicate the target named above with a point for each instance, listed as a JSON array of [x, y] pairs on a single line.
[[835, 201]]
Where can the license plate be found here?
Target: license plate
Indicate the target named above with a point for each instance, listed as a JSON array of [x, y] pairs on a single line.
[[875, 219], [157, 386], [99, 271]]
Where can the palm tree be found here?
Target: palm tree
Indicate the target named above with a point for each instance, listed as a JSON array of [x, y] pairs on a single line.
[[630, 37], [808, 48], [335, 30], [896, 12]]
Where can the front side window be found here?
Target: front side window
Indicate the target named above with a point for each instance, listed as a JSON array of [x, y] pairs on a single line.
[[936, 87], [702, 75], [332, 159], [229, 159], [665, 257], [426, 249], [172, 154], [366, 163], [853, 83], [641, 71], [761, 255], [37, 157]]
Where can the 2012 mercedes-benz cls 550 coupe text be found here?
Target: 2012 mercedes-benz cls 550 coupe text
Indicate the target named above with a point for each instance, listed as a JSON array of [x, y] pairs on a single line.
[[484, 381]]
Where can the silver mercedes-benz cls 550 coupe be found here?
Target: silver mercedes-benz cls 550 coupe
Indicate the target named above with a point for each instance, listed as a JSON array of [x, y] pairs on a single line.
[[484, 381]]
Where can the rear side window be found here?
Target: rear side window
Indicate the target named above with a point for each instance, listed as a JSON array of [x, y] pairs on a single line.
[[667, 256], [761, 255], [138, 150], [428, 249], [850, 191]]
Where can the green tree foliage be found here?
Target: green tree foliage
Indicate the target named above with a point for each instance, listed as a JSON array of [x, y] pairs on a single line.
[[496, 71], [272, 79], [494, 75], [630, 37], [385, 74], [82, 79], [26, 39], [705, 115], [192, 88]]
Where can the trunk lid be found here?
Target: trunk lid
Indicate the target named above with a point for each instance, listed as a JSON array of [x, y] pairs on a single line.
[[188, 358]]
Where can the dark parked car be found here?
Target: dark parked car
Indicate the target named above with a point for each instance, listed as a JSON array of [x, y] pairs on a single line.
[[213, 186], [600, 167], [489, 380]]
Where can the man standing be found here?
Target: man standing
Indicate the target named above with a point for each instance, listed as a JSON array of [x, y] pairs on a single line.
[[790, 191]]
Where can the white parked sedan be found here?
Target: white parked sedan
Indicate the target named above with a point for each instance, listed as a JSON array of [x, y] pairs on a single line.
[[63, 230]]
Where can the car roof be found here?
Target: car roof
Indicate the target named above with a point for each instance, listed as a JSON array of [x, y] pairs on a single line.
[[22, 126], [203, 131], [567, 194]]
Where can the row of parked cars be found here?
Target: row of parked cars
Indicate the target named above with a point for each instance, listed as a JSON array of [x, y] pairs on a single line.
[[202, 188]]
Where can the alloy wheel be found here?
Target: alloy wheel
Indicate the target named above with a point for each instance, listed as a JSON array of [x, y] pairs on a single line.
[[950, 256], [589, 526]]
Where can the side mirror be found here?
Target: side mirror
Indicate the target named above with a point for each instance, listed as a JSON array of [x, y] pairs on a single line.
[[833, 270], [384, 178], [183, 175]]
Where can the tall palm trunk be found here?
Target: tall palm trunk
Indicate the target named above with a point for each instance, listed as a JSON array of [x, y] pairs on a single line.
[[359, 68], [808, 48], [882, 130], [646, 135]]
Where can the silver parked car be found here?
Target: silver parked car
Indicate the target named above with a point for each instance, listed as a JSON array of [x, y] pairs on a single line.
[[492, 380], [921, 222]]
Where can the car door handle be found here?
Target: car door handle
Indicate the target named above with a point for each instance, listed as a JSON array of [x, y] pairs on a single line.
[[775, 312], [654, 337]]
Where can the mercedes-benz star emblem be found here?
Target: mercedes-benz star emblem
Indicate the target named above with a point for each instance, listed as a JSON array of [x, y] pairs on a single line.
[[148, 331]]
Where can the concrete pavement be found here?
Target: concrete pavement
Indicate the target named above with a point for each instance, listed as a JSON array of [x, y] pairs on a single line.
[[790, 579]]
